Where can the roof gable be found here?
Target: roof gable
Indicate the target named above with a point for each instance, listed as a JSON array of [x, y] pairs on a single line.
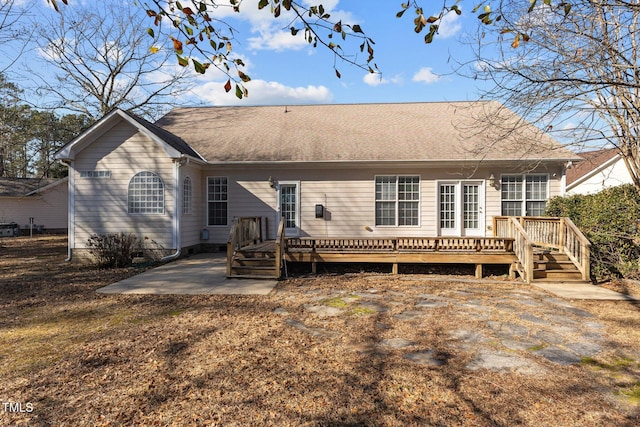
[[174, 146], [23, 187], [423, 132], [592, 163]]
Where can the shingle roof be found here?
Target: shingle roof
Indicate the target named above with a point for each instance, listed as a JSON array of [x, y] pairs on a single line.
[[20, 187], [438, 131], [591, 161], [171, 139]]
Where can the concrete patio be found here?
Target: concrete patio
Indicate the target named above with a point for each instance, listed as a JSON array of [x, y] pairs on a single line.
[[204, 274], [201, 274]]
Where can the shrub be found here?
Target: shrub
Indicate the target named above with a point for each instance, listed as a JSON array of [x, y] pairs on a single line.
[[113, 249], [609, 219]]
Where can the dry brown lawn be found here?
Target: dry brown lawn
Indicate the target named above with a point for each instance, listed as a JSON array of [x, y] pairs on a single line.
[[79, 358]]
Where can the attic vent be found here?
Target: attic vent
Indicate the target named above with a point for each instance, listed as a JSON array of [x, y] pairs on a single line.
[[95, 174]]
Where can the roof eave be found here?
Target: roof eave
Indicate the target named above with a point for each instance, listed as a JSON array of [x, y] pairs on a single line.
[[594, 171], [70, 150], [366, 163], [48, 186]]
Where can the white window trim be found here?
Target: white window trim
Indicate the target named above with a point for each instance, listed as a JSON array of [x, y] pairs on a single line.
[[163, 195], [206, 189], [187, 198], [523, 207], [296, 232], [95, 174], [397, 201]]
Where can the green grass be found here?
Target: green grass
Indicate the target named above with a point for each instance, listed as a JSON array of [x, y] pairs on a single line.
[[537, 347], [615, 365], [336, 302], [361, 311], [633, 394]]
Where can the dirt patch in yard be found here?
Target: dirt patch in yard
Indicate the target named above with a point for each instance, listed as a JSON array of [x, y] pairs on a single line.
[[351, 349]]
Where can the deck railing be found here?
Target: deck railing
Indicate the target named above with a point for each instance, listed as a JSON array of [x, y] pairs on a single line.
[[281, 242], [523, 248], [577, 247], [549, 232], [244, 231], [401, 244]]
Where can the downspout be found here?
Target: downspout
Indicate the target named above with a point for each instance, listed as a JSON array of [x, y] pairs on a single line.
[[71, 213], [563, 178], [177, 163]]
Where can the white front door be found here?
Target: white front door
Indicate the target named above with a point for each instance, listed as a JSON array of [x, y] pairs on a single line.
[[461, 208], [289, 206]]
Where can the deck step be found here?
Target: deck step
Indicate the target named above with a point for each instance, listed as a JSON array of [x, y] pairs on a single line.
[[557, 275], [254, 262], [251, 276], [256, 254]]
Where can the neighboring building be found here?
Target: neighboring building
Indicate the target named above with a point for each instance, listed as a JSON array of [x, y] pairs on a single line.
[[600, 169], [43, 199], [362, 170]]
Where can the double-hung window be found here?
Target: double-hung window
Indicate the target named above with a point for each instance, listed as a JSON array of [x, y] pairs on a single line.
[[217, 200], [524, 195], [397, 200]]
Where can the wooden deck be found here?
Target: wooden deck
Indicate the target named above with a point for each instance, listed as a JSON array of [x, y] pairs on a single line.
[[541, 257], [405, 250]]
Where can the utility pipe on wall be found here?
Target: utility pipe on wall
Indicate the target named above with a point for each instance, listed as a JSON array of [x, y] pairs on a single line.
[[177, 164]]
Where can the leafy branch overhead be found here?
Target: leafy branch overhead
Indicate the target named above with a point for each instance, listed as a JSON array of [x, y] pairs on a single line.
[[202, 39], [483, 10]]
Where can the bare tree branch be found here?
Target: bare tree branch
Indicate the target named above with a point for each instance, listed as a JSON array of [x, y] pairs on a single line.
[[576, 75], [101, 63]]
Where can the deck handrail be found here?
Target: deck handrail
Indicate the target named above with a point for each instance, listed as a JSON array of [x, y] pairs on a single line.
[[559, 233], [523, 248], [577, 247], [244, 230], [280, 245]]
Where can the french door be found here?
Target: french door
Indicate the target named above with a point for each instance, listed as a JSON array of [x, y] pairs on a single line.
[[461, 208], [289, 207]]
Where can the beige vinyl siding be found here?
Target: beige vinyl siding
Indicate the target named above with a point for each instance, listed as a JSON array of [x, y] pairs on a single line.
[[48, 208], [349, 198], [193, 223], [100, 204]]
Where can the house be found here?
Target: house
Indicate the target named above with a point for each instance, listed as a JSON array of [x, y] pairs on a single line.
[[355, 170], [43, 199], [600, 169]]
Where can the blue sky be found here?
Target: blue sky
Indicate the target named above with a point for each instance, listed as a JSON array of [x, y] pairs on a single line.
[[286, 70]]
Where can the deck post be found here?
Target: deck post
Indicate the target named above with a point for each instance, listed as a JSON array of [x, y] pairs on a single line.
[[394, 268], [478, 271], [314, 267], [512, 271]]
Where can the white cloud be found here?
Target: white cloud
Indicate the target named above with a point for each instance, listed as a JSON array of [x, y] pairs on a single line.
[[262, 92], [449, 25], [376, 79], [274, 34], [426, 75], [277, 40]]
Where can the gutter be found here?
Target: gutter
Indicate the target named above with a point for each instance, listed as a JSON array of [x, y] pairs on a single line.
[[70, 207], [177, 163]]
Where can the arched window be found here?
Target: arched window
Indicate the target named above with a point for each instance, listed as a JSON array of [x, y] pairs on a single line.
[[146, 194], [187, 195]]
